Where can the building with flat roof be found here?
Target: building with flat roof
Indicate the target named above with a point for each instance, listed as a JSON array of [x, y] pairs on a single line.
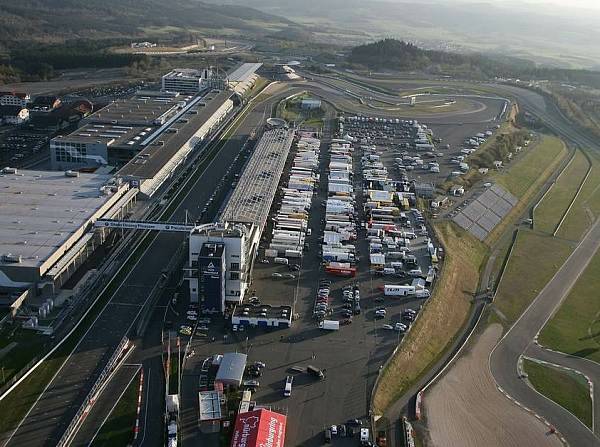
[[243, 77], [209, 411], [46, 221], [262, 316], [145, 108], [147, 136], [231, 369], [252, 198], [186, 80], [169, 145], [115, 133]]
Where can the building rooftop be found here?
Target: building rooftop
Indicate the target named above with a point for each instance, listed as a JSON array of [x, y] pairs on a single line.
[[109, 134], [154, 156], [282, 312], [231, 369], [143, 109], [210, 405], [244, 72], [41, 210], [210, 249], [252, 198], [185, 73]]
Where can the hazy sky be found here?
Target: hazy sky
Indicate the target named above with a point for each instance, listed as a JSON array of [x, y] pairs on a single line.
[[570, 3], [583, 4]]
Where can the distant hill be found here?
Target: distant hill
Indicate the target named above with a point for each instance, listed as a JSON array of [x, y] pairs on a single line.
[[58, 20], [399, 55], [392, 54], [555, 34]]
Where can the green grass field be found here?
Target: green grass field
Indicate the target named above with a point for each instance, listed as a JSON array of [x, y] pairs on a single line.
[[118, 429], [535, 259], [550, 211], [587, 205], [568, 389], [525, 176], [519, 177], [29, 345], [575, 328]]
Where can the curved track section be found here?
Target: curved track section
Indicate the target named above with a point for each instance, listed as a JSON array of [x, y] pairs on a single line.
[[520, 338]]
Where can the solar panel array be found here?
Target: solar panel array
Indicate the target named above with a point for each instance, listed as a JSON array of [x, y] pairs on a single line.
[[481, 216]]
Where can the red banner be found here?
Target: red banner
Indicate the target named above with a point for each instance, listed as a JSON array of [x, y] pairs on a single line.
[[259, 428]]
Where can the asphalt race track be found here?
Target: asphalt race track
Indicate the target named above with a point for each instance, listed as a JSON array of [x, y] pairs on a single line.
[[519, 338]]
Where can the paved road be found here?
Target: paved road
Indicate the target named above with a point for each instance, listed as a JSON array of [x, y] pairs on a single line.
[[519, 338], [590, 368], [104, 406], [483, 110]]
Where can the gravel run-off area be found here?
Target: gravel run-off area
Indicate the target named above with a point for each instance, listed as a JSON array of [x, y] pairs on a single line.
[[466, 409]]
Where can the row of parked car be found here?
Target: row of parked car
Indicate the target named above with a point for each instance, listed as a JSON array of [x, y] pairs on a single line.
[[322, 306], [408, 316], [352, 428]]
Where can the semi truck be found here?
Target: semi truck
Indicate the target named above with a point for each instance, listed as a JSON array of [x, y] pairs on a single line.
[[398, 290]]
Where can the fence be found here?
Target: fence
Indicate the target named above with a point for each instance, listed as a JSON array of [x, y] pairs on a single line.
[[90, 399], [18, 375]]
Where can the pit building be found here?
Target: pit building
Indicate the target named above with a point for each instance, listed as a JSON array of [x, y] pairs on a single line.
[[233, 241]]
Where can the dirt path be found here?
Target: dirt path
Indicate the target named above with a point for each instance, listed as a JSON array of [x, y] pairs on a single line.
[[465, 408]]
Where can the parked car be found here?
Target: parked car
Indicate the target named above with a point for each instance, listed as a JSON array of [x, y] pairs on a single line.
[[400, 327], [287, 390]]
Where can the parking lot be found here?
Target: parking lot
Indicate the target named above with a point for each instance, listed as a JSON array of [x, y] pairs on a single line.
[[351, 356], [19, 145], [432, 159]]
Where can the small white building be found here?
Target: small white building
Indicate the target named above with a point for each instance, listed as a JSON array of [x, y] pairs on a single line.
[[310, 104], [457, 190]]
